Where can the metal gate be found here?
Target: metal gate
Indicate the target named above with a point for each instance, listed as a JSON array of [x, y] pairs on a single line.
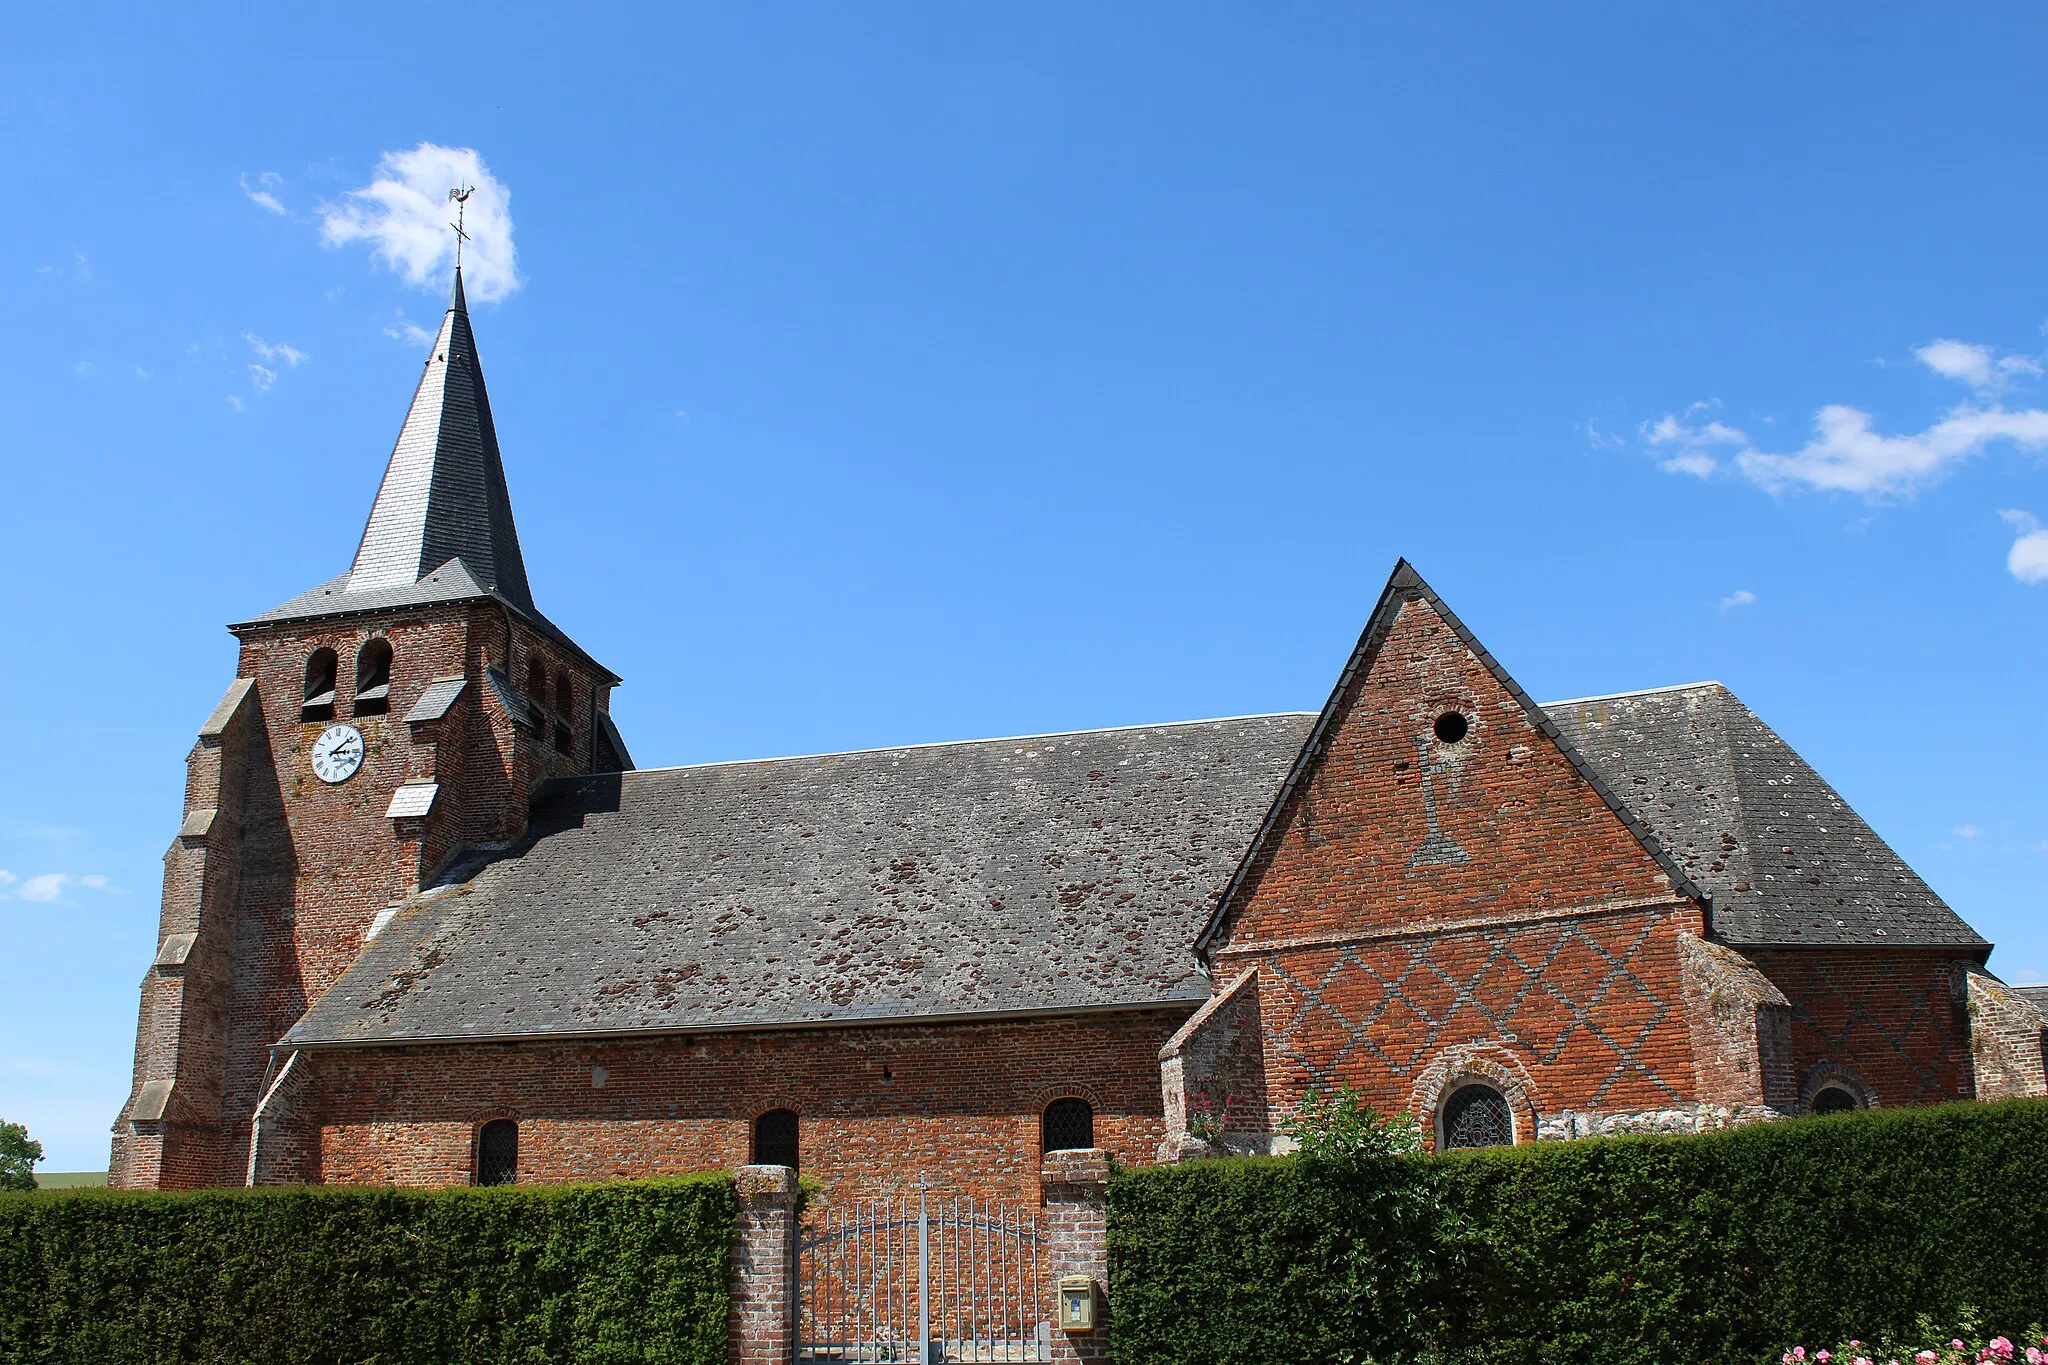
[[923, 1280]]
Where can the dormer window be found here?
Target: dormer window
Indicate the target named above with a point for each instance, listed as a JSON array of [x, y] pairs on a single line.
[[320, 670], [565, 708], [373, 678]]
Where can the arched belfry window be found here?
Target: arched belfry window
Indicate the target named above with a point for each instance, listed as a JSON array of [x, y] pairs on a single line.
[[1477, 1116], [537, 683], [775, 1139], [373, 678], [1067, 1125], [497, 1153], [1835, 1099], [565, 711], [320, 668]]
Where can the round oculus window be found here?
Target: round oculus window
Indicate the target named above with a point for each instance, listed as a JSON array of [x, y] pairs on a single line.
[[1451, 727]]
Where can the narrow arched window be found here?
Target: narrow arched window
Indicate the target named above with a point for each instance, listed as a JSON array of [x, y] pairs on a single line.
[[565, 711], [1067, 1125], [320, 668], [1834, 1099], [537, 683], [1477, 1116], [775, 1135], [497, 1153], [373, 678]]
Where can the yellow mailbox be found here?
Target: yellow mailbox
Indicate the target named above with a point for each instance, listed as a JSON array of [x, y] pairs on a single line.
[[1077, 1303]]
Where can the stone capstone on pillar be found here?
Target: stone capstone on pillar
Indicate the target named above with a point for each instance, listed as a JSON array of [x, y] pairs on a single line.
[[764, 1250]]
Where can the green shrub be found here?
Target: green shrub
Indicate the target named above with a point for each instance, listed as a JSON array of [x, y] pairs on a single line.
[[599, 1273], [1722, 1248]]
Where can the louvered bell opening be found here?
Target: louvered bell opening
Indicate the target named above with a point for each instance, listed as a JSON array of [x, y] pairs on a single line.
[[1069, 1125], [373, 679], [320, 671], [497, 1153]]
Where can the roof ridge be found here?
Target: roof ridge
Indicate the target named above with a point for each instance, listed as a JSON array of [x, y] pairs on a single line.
[[963, 743], [1638, 692]]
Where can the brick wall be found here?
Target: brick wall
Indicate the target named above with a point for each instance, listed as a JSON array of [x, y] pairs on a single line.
[[2008, 1040], [878, 1106], [1894, 1020]]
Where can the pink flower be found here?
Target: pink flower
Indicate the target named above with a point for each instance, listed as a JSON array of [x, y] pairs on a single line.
[[2000, 1347], [1926, 1358], [2034, 1356], [1824, 1356], [1799, 1353]]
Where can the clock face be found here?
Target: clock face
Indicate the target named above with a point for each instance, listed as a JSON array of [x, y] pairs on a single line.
[[337, 753]]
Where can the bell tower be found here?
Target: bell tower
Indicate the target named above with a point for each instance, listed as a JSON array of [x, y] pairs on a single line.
[[383, 730]]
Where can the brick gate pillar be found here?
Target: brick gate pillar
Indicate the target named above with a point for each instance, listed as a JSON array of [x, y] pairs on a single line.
[[764, 1267], [1077, 1226]]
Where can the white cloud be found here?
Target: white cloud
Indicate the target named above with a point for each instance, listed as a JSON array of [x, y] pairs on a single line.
[[262, 193], [261, 379], [1741, 597], [290, 355], [7, 878], [1967, 831], [409, 332], [2028, 558], [235, 402], [1846, 453], [83, 369], [1975, 365], [46, 887], [404, 215], [93, 881]]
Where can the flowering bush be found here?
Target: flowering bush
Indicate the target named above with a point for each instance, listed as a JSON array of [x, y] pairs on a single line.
[[1954, 1351]]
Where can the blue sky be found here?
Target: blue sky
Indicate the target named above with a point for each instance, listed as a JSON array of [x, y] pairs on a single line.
[[900, 373]]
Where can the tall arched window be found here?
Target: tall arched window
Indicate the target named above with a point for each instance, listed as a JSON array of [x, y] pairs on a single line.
[[1477, 1116], [1067, 1125], [497, 1153], [320, 669], [565, 711], [775, 1134], [373, 678]]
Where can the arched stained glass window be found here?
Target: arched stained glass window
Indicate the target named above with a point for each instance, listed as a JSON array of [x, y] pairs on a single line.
[[1069, 1124], [1477, 1116]]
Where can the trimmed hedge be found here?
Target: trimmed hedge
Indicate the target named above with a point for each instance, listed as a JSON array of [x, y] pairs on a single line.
[[602, 1273], [1720, 1248]]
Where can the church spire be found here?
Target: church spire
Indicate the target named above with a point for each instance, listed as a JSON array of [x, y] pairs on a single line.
[[443, 495]]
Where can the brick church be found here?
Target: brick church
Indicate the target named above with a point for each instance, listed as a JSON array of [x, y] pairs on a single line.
[[424, 922]]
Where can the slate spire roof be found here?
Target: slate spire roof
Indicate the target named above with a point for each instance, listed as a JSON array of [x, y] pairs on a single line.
[[444, 495]]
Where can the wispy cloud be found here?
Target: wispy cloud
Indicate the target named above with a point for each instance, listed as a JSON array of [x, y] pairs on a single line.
[[261, 378], [48, 887], [1967, 831], [409, 332], [1741, 597], [79, 272], [83, 369], [235, 402], [290, 355], [2028, 558], [404, 215], [1846, 453], [264, 190]]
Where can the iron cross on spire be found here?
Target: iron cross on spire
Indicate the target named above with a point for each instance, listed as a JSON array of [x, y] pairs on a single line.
[[460, 198]]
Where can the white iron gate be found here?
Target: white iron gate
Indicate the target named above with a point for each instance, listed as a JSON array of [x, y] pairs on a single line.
[[923, 1280]]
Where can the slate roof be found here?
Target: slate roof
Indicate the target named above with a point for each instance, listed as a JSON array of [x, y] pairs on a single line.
[[1048, 874], [1063, 872], [2037, 996], [1785, 858]]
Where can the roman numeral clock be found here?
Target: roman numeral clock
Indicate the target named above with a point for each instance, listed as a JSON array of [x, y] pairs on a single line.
[[337, 753]]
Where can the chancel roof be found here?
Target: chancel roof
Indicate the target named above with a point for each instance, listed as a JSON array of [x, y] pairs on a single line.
[[1051, 874], [1785, 858]]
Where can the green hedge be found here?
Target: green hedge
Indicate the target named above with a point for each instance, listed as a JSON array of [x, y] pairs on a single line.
[[1721, 1248], [634, 1272]]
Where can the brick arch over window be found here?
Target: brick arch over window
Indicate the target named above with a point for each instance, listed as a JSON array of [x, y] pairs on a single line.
[[1489, 1064], [1836, 1076]]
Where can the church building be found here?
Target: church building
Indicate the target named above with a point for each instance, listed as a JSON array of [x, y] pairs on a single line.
[[425, 923]]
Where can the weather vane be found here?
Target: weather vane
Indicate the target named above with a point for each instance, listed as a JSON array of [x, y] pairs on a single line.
[[460, 198]]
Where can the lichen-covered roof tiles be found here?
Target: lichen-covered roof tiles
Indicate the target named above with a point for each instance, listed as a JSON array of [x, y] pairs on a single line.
[[1065, 872], [1786, 859]]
